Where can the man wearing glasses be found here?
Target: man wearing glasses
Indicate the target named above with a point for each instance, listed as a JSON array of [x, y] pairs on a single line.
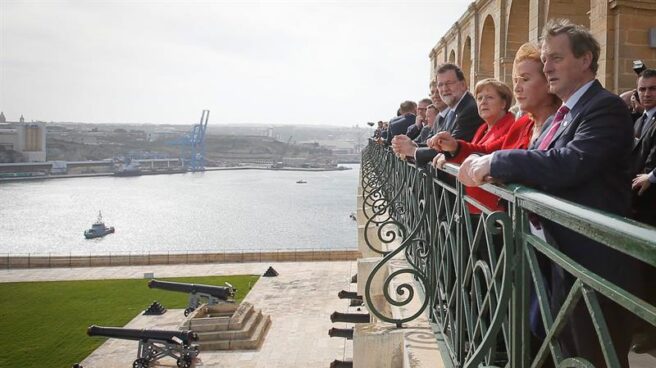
[[420, 122], [461, 121]]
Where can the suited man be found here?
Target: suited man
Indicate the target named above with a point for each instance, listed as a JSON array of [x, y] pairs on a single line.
[[421, 120], [461, 121], [401, 123], [427, 131], [442, 110], [583, 158], [441, 107], [643, 155], [643, 201]]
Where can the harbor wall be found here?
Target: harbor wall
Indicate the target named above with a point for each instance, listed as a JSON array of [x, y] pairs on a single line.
[[48, 261]]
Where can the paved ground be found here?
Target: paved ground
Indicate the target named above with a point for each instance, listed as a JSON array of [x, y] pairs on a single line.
[[299, 301]]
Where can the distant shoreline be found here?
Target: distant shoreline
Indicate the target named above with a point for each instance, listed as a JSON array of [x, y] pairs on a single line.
[[46, 177]]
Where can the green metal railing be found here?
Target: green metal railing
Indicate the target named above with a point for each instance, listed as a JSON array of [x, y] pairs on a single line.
[[476, 271]]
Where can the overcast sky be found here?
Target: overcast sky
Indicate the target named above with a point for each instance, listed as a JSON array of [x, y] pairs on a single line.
[[252, 62]]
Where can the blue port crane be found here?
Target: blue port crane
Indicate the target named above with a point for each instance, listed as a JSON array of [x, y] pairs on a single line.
[[192, 145]]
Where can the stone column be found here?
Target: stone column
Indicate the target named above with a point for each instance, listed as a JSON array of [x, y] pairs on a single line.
[[627, 24]]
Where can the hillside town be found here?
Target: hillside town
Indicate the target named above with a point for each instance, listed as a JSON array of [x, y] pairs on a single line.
[[224, 145]]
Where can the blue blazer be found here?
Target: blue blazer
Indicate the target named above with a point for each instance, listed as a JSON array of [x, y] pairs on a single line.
[[588, 159], [399, 125], [587, 162]]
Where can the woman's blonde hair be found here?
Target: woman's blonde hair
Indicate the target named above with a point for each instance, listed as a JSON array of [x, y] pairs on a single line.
[[502, 89], [527, 51]]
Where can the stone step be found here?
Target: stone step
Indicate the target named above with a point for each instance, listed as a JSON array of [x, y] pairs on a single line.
[[245, 331], [241, 316], [233, 320], [253, 342]]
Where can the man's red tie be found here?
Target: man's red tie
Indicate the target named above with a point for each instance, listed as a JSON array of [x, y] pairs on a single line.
[[560, 115]]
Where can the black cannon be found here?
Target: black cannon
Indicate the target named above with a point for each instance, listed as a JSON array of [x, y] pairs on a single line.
[[350, 317], [154, 344], [213, 294], [341, 364], [356, 300], [344, 294], [346, 333]]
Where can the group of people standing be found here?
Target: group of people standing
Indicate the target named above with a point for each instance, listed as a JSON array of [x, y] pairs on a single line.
[[565, 135]]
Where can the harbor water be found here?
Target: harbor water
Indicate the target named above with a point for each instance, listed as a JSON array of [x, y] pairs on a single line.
[[216, 211]]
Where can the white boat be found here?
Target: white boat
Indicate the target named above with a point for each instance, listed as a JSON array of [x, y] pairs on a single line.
[[98, 229]]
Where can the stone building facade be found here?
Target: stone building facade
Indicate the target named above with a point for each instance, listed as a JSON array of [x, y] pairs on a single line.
[[485, 38]]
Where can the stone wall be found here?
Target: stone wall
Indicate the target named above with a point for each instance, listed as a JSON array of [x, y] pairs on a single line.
[[176, 258], [486, 37]]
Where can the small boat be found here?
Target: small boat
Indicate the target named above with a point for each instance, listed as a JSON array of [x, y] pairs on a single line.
[[128, 168], [301, 181], [98, 229], [352, 216]]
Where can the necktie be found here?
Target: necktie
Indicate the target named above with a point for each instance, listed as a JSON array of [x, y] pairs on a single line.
[[560, 115], [642, 126], [450, 117]]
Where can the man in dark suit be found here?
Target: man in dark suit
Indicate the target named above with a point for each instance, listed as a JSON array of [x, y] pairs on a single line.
[[400, 124], [643, 201], [643, 155], [428, 130], [461, 121], [421, 121], [583, 158]]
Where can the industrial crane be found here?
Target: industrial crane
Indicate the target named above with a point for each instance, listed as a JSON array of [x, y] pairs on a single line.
[[192, 145]]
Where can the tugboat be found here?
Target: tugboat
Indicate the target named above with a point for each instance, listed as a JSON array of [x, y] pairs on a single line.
[[98, 229], [301, 181]]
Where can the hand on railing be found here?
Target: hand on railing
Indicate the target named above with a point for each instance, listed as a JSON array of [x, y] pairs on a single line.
[[402, 145], [444, 142], [439, 161], [475, 170]]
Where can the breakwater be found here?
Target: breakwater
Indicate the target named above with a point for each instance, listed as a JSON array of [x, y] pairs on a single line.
[[70, 261]]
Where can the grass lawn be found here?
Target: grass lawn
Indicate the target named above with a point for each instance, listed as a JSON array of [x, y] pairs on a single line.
[[43, 324]]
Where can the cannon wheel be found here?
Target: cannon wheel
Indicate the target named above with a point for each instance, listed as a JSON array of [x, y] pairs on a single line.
[[188, 311], [184, 361], [140, 363]]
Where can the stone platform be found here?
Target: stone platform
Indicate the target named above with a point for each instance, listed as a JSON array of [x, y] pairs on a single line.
[[299, 301]]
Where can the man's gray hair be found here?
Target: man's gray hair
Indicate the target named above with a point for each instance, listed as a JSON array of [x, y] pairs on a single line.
[[580, 39]]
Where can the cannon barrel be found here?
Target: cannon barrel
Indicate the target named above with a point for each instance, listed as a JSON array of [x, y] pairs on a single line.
[[341, 364], [221, 292], [187, 337], [350, 317], [346, 333], [344, 294]]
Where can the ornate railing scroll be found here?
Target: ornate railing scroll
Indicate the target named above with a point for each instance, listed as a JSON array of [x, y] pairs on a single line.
[[481, 273], [412, 216], [380, 192]]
